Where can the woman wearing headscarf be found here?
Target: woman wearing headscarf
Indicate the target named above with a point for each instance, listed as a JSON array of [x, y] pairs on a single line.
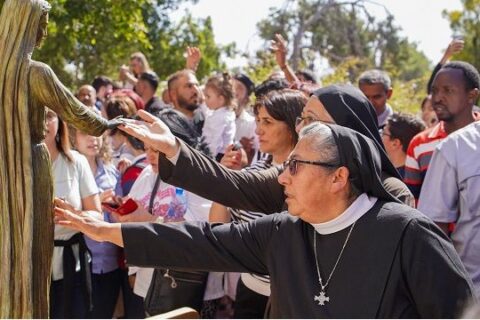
[[26, 226], [345, 249], [260, 191]]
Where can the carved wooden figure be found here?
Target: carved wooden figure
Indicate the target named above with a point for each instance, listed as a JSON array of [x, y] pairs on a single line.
[[26, 187]]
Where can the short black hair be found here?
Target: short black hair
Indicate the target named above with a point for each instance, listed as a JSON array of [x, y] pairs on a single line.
[[270, 85], [101, 81], [404, 127], [470, 73], [150, 77]]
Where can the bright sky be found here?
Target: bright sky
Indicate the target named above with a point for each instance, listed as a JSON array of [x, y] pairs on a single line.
[[235, 21]]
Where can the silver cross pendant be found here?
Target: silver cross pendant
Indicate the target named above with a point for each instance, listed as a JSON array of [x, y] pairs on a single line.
[[321, 298]]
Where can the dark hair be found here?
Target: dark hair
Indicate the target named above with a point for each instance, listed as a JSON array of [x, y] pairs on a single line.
[[182, 128], [150, 77], [283, 105], [222, 85], [269, 85], [120, 106], [375, 76], [62, 140], [307, 75], [246, 81], [470, 73], [101, 81], [174, 77], [404, 127]]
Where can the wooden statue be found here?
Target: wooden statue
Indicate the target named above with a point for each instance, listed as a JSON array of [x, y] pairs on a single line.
[[26, 187]]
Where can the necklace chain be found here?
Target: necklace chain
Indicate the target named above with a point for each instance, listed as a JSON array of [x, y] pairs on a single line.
[[324, 286]]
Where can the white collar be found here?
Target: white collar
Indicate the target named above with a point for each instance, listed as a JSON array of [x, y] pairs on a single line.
[[355, 211]]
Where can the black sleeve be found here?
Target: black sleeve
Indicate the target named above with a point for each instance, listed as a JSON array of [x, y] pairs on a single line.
[[435, 276], [200, 246], [248, 190], [434, 73]]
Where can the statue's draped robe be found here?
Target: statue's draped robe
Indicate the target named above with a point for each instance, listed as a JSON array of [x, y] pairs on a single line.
[[26, 188]]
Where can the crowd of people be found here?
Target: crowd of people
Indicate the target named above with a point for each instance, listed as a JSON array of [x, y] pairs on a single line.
[[278, 199]]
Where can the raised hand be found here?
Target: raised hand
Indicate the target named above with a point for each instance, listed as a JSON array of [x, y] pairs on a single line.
[[454, 47], [151, 131], [279, 47], [193, 58]]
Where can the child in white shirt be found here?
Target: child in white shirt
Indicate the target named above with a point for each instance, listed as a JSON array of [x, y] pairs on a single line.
[[219, 127]]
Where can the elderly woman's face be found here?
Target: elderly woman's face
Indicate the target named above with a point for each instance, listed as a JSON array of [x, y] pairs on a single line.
[[314, 111], [309, 188]]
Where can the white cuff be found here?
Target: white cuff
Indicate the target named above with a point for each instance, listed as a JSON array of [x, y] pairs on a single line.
[[174, 159]]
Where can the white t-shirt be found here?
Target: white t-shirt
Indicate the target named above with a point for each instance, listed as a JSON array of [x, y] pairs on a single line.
[[142, 191], [74, 181], [219, 130]]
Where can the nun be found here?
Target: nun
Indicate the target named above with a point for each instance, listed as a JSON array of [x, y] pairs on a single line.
[[259, 191], [345, 249]]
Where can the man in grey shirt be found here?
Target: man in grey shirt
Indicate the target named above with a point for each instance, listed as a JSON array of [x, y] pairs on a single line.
[[451, 194]]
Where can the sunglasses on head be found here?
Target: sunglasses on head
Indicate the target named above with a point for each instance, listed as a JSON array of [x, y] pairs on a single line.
[[292, 165]]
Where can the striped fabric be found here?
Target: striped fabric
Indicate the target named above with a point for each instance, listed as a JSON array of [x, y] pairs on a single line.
[[419, 154], [242, 216]]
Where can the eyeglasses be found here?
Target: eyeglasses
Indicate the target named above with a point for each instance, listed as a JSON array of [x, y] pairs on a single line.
[[307, 120], [384, 133], [292, 165]]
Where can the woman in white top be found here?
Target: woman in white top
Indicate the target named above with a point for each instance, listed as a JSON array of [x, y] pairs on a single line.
[[70, 290]]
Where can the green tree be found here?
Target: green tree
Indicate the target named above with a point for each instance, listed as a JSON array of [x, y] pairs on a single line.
[[466, 23], [340, 31], [92, 37]]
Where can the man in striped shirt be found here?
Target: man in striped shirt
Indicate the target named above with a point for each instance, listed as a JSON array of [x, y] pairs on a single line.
[[453, 98]]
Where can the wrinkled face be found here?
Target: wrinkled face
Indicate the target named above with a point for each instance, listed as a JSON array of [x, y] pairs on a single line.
[[313, 111], [274, 136], [309, 188], [213, 99], [152, 157], [187, 92], [377, 95], [450, 97], [87, 95], [42, 30], [240, 92], [87, 145]]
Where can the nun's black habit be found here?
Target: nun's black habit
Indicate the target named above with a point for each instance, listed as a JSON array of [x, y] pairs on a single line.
[[397, 263]]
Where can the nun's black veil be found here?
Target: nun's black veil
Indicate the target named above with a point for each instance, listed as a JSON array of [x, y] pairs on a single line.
[[349, 107], [362, 158]]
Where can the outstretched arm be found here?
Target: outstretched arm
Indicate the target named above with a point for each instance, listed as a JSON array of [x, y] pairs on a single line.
[[254, 191], [199, 246], [48, 91]]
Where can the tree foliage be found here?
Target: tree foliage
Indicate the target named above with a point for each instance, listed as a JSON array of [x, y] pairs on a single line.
[[342, 30], [466, 23], [94, 37]]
